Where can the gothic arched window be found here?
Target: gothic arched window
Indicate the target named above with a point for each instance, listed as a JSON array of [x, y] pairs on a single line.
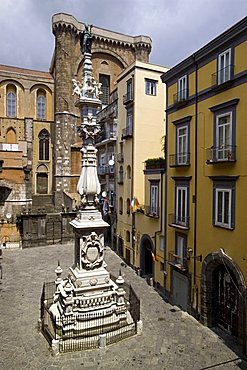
[[11, 101], [41, 104], [44, 141]]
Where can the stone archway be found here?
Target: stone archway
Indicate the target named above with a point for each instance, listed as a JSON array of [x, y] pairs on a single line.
[[146, 258], [223, 292]]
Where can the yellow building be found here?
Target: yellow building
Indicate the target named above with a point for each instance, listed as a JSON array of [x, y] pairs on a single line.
[[26, 116], [206, 182], [141, 104]]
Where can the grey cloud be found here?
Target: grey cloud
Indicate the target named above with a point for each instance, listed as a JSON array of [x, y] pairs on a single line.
[[177, 27]]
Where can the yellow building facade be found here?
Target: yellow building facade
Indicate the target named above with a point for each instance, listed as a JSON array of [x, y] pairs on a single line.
[[206, 254], [141, 104]]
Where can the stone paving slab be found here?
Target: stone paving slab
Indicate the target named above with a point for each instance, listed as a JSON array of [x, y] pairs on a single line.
[[171, 338]]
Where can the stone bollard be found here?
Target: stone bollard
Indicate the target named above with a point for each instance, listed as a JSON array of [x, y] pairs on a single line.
[[102, 341], [55, 347], [139, 327]]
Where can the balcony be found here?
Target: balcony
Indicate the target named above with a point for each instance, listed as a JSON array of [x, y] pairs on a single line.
[[127, 132], [179, 159], [106, 135], [224, 153], [128, 98], [120, 157], [181, 222], [223, 77], [179, 262], [152, 211], [181, 97], [105, 170]]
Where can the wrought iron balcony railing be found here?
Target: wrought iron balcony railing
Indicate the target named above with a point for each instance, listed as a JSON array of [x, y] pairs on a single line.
[[105, 170], [179, 159], [128, 98], [152, 211], [181, 97], [127, 132], [223, 153], [179, 221], [120, 157], [178, 261], [223, 76]]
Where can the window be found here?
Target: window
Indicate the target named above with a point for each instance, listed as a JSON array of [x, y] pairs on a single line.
[[150, 87], [127, 236], [154, 199], [11, 101], [120, 175], [129, 121], [128, 206], [224, 148], [224, 204], [42, 180], [182, 89], [105, 88], [181, 217], [180, 249], [182, 145], [41, 104], [128, 172], [120, 205], [223, 136], [44, 141], [129, 90], [224, 66]]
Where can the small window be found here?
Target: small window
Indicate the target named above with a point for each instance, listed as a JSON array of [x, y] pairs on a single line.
[[224, 66], [128, 172], [150, 87], [180, 249], [41, 105], [154, 199], [120, 205], [128, 206], [182, 145], [182, 89], [44, 142], [120, 175], [11, 101], [129, 90], [224, 204], [129, 120], [105, 88], [127, 236]]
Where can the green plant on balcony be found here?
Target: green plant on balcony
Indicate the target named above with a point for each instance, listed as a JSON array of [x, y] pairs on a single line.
[[151, 163]]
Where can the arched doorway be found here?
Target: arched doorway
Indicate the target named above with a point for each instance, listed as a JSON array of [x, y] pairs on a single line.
[[42, 180], [222, 294], [146, 258]]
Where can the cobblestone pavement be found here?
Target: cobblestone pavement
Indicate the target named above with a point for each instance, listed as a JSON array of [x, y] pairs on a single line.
[[171, 339]]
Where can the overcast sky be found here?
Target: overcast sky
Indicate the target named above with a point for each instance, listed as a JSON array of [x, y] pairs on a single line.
[[177, 27]]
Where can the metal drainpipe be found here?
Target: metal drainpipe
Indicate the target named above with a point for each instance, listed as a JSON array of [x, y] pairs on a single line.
[[132, 170], [195, 195]]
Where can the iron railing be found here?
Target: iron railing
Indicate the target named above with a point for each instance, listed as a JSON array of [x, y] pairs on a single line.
[[181, 96], [127, 132], [223, 153], [91, 324], [152, 211], [223, 75], [179, 159], [177, 260], [178, 220], [105, 170], [127, 98]]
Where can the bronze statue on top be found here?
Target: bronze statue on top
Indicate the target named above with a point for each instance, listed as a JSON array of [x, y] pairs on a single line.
[[86, 40]]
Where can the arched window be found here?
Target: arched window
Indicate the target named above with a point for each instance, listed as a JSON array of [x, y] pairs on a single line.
[[127, 236], [128, 172], [41, 104], [120, 205], [42, 180], [11, 101], [128, 206], [44, 141]]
